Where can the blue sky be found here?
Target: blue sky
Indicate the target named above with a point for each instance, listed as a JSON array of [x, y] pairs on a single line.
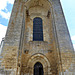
[[69, 12], [67, 5]]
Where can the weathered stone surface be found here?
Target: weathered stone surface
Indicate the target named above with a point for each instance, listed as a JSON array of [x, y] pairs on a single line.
[[20, 53]]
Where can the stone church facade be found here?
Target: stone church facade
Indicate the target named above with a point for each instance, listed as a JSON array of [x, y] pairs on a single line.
[[37, 41]]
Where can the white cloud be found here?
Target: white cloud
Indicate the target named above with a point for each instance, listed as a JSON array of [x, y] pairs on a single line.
[[74, 46], [5, 15], [3, 4], [2, 31], [10, 1], [73, 38]]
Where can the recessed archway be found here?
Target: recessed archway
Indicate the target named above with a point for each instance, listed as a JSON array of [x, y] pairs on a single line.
[[45, 3], [39, 58]]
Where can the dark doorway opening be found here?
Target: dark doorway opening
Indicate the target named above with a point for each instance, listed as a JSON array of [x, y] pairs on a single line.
[[38, 69]]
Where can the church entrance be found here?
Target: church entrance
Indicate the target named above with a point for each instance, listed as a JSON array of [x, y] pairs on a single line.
[[38, 69]]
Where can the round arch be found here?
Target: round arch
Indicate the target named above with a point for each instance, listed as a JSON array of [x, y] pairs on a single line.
[[46, 3], [39, 58], [50, 1]]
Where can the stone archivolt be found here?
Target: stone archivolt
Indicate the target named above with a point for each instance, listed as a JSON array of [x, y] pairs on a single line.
[[39, 58]]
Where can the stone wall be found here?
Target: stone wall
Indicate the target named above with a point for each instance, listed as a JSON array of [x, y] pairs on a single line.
[[20, 52], [64, 41], [12, 39]]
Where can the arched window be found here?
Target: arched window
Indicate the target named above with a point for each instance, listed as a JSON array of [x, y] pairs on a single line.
[[38, 69], [37, 29]]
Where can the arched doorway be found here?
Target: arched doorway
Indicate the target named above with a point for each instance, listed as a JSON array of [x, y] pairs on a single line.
[[42, 60], [38, 69]]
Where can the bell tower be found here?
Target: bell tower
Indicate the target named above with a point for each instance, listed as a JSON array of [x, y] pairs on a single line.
[[37, 41]]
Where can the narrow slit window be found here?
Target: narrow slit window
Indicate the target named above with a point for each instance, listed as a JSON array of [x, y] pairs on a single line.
[[37, 29]]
